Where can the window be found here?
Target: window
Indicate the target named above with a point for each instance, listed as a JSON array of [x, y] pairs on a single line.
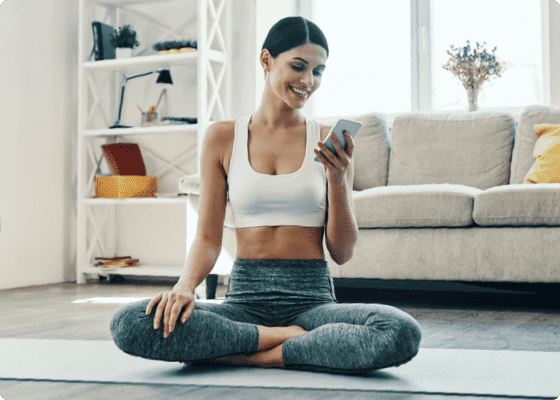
[[369, 61], [387, 56], [517, 34]]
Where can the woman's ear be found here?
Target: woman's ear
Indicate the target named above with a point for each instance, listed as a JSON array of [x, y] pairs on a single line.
[[266, 59]]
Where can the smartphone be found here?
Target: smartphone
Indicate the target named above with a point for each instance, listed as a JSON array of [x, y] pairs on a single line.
[[352, 127]]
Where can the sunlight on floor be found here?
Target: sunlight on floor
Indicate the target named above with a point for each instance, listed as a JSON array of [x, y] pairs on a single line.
[[126, 300], [110, 300]]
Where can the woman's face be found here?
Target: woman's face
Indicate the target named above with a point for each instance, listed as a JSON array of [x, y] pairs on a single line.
[[295, 74]]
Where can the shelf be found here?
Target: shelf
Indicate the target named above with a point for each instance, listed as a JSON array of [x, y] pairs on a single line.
[[139, 130], [204, 74], [122, 3], [147, 63], [130, 201], [146, 270]]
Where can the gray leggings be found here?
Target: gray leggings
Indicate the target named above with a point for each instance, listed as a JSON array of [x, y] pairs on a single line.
[[341, 338]]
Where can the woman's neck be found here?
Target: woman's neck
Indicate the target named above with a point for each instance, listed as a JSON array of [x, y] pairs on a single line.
[[274, 112]]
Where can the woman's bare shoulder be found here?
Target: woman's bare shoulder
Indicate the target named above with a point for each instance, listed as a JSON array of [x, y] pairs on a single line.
[[221, 132]]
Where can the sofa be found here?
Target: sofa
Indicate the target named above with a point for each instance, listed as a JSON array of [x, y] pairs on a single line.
[[440, 197]]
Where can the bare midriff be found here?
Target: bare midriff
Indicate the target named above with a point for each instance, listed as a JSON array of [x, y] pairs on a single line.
[[280, 243]]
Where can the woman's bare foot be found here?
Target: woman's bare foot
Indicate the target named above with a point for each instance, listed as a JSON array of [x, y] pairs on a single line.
[[297, 330], [270, 337], [270, 348], [271, 358]]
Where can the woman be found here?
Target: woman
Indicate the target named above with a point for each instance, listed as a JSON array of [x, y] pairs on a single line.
[[280, 309]]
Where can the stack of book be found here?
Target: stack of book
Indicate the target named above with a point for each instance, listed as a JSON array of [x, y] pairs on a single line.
[[117, 262]]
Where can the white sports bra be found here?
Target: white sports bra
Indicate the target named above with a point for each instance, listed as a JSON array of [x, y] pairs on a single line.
[[257, 199]]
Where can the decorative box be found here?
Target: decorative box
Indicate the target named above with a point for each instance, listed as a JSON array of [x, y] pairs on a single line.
[[125, 186]]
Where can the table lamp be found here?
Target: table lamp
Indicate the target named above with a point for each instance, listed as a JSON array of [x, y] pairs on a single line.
[[163, 77]]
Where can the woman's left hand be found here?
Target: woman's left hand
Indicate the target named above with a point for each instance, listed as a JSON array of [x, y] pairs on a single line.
[[336, 164]]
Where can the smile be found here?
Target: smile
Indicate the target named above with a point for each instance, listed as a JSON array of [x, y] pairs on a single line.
[[299, 91]]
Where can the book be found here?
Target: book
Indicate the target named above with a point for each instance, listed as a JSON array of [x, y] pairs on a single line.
[[124, 159], [102, 47]]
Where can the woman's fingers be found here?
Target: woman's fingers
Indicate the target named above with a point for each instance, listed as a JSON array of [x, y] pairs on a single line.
[[188, 312], [329, 155], [338, 146], [176, 310], [172, 310], [349, 144], [169, 309], [152, 303], [159, 311]]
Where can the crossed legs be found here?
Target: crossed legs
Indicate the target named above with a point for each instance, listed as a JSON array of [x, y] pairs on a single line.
[[340, 338]]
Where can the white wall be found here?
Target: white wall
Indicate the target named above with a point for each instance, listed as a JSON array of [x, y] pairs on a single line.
[[38, 142], [38, 86]]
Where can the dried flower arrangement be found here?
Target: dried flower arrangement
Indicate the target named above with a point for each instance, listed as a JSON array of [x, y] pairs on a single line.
[[473, 67], [124, 37], [175, 46]]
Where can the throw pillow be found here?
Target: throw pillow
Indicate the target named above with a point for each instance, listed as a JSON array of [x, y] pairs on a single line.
[[546, 168]]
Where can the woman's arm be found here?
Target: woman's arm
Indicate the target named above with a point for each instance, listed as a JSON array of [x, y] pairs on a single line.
[[211, 214], [341, 233], [208, 242]]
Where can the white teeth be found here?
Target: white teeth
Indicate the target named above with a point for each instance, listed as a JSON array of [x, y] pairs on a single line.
[[302, 92]]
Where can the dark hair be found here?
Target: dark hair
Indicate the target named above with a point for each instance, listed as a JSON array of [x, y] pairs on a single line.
[[292, 32]]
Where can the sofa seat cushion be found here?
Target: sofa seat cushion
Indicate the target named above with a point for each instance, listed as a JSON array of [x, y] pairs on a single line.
[[518, 205], [472, 149], [432, 205]]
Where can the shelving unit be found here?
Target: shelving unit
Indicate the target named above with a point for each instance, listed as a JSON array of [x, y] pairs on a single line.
[[201, 89]]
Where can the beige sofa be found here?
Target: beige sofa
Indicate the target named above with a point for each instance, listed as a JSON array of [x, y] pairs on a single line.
[[441, 198]]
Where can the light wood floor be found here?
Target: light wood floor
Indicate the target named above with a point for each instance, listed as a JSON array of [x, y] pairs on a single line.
[[461, 319]]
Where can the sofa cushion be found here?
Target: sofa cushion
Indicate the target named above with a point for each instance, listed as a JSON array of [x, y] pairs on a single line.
[[371, 152], [546, 168], [522, 156], [434, 205], [518, 205], [471, 149]]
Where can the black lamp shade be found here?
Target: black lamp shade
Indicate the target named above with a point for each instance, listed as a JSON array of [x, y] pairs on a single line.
[[164, 77]]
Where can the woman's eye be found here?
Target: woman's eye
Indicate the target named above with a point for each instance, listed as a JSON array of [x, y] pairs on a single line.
[[297, 68], [317, 73]]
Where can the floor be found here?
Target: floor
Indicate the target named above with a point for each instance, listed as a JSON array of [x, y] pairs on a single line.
[[470, 318]]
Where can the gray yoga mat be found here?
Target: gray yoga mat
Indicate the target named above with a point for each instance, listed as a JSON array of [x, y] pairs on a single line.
[[444, 371]]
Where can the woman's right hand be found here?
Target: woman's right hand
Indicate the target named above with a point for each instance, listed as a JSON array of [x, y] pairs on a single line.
[[170, 305]]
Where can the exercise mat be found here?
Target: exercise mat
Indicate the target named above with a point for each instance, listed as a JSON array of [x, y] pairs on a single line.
[[434, 371]]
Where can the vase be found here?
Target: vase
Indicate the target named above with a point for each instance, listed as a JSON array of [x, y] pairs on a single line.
[[123, 52], [472, 94]]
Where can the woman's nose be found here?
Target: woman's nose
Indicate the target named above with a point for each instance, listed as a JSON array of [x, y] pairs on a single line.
[[308, 80]]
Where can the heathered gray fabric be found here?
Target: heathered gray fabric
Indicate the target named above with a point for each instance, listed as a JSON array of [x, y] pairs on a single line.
[[523, 204], [213, 330], [471, 149], [408, 206], [342, 338]]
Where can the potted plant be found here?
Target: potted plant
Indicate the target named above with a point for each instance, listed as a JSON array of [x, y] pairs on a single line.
[[175, 46], [124, 40], [473, 67]]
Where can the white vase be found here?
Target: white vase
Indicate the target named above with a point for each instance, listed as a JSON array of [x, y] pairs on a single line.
[[123, 52]]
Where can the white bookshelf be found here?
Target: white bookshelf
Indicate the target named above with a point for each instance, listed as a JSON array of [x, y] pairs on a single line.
[[203, 80]]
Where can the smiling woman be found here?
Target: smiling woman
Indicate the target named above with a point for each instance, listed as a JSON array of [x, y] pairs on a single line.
[[280, 308]]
